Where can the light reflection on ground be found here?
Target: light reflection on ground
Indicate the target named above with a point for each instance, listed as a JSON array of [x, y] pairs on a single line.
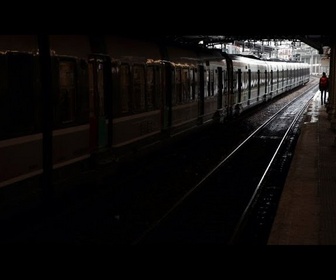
[[315, 107]]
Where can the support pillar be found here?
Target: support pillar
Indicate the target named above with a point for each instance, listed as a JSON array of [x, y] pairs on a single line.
[[331, 92]]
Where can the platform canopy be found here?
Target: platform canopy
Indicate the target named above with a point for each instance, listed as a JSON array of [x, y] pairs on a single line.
[[315, 41]]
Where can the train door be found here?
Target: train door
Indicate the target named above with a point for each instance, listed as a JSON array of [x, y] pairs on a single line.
[[228, 85], [202, 83], [225, 88], [266, 83], [220, 88], [99, 69], [239, 73], [276, 81], [258, 84], [219, 115], [167, 98], [271, 83], [249, 86]]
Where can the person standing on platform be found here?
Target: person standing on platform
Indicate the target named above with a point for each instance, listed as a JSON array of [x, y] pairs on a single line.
[[323, 87]]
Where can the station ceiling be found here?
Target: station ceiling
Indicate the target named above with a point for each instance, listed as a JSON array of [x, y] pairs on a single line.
[[315, 41]]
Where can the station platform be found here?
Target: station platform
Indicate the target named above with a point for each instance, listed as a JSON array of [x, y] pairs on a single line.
[[306, 213]]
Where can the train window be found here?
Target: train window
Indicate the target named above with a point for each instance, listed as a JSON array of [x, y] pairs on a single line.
[[245, 80], [235, 81], [216, 82], [157, 97], [212, 82], [277, 78], [225, 79], [173, 88], [253, 79], [153, 82], [138, 96], [185, 83], [82, 99], [193, 83], [290, 76], [125, 88], [206, 83], [100, 87], [178, 85], [91, 90], [266, 81], [95, 84], [67, 94], [150, 87]]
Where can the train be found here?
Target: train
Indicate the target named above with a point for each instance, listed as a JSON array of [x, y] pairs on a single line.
[[116, 95]]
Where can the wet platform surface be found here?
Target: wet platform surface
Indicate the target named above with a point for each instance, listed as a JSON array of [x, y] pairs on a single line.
[[306, 214]]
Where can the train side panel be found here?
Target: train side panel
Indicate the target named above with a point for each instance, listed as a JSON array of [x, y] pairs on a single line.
[[120, 95], [20, 127], [21, 96], [70, 77], [255, 81], [186, 83], [213, 90], [250, 83], [281, 77], [21, 158], [136, 93], [71, 110]]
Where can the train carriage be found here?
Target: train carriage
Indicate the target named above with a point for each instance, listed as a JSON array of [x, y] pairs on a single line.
[[128, 107], [183, 87], [20, 129], [250, 82], [116, 95], [273, 79], [281, 77], [291, 75], [211, 97]]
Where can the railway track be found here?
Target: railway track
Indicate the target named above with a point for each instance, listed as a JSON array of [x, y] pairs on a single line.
[[236, 201]]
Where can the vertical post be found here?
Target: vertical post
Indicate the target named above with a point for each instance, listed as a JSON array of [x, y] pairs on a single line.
[[47, 117], [331, 90]]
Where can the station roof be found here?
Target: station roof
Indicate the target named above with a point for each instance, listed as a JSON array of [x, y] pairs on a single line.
[[315, 41]]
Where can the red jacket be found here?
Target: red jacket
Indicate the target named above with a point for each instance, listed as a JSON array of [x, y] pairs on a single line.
[[323, 84]]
